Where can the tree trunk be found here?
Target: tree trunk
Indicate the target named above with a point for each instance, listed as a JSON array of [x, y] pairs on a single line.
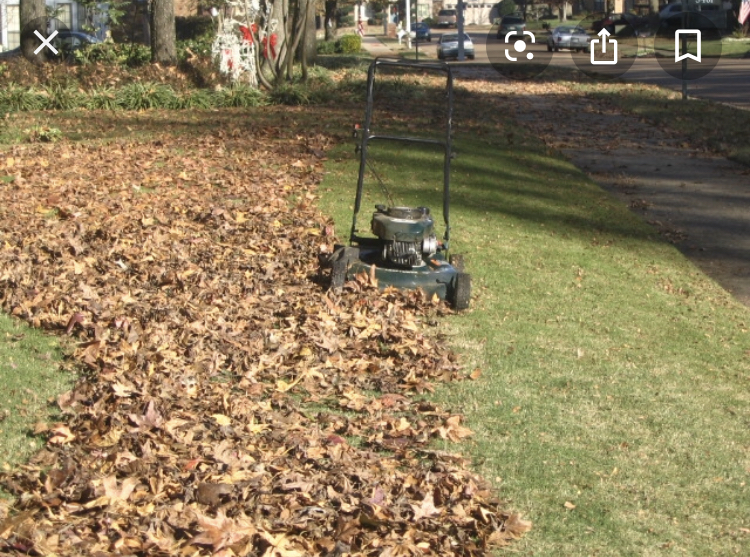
[[310, 40], [330, 20], [163, 41], [33, 18]]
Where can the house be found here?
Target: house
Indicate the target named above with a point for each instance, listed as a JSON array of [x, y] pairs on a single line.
[[68, 13], [75, 17]]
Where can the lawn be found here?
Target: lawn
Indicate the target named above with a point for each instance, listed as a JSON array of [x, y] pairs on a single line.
[[31, 376], [609, 403], [612, 405]]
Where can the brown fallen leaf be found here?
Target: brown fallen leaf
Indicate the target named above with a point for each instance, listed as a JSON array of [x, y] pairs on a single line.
[[212, 494]]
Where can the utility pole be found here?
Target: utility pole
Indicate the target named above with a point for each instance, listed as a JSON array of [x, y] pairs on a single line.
[[683, 50], [460, 28], [408, 24]]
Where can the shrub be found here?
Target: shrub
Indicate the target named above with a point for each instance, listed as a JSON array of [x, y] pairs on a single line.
[[198, 98], [241, 96], [198, 47], [326, 47], [349, 44], [507, 7], [62, 97], [144, 96], [15, 98], [345, 21], [293, 94], [102, 98], [123, 54]]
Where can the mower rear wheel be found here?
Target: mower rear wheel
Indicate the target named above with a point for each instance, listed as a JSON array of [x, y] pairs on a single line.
[[338, 273], [457, 262], [461, 291]]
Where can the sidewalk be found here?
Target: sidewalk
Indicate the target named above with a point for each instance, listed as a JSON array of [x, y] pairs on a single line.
[[373, 45]]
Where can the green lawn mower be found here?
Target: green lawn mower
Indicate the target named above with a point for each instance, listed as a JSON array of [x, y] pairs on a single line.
[[405, 252]]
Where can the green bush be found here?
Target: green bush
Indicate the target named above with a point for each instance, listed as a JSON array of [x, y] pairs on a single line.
[[132, 55], [326, 47], [293, 94], [62, 97], [102, 98], [197, 98], [429, 21], [145, 96], [507, 7], [16, 98], [241, 96], [349, 44], [198, 47], [345, 21]]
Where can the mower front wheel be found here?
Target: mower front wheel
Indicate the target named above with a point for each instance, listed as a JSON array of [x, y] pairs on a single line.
[[461, 291]]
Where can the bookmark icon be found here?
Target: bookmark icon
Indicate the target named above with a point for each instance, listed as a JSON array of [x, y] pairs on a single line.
[[677, 55]]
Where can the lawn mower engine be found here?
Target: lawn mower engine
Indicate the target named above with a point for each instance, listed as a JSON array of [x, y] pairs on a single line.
[[407, 234]]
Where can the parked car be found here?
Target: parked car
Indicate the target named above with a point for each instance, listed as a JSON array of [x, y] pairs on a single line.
[[670, 10], [421, 31], [511, 23], [570, 37], [447, 46], [710, 17], [69, 41], [613, 21], [447, 18], [12, 53]]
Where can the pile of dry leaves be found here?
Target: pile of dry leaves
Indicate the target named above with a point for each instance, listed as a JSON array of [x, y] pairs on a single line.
[[230, 405]]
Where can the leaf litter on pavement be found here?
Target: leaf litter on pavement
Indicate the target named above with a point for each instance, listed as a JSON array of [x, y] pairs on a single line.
[[229, 404]]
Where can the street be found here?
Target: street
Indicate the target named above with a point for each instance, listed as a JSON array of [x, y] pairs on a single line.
[[727, 82]]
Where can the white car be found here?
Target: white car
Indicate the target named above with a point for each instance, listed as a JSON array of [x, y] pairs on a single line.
[[570, 37], [447, 46]]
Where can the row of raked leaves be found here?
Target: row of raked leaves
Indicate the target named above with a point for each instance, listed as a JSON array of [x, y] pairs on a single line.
[[148, 96]]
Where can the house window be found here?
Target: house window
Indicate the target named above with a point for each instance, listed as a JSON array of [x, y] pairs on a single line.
[[14, 26], [64, 14]]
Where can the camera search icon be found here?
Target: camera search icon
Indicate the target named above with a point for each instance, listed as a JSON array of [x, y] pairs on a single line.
[[519, 46]]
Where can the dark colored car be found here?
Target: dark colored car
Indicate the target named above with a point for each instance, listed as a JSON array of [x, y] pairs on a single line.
[[617, 22], [511, 23], [421, 31], [67, 42]]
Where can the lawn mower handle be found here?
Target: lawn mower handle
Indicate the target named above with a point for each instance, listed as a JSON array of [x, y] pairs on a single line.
[[367, 136]]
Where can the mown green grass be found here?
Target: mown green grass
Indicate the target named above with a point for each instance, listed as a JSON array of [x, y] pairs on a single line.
[[613, 405], [30, 378]]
